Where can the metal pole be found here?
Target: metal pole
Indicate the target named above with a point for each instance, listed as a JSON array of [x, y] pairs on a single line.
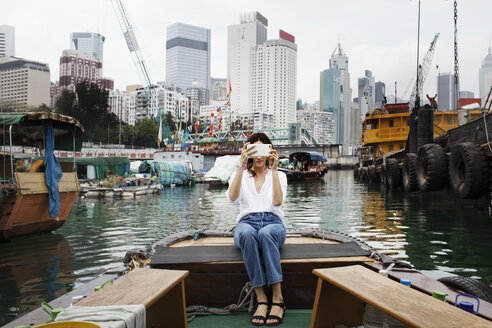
[[396, 95], [417, 98], [11, 156]]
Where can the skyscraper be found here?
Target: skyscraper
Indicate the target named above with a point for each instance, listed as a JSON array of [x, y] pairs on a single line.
[[336, 94], [241, 38], [86, 43], [366, 94], [380, 94], [485, 76], [187, 56], [7, 41], [273, 79], [446, 99]]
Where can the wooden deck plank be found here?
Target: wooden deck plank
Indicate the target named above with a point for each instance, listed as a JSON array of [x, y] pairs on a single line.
[[405, 304], [214, 241], [140, 286], [162, 292], [35, 182]]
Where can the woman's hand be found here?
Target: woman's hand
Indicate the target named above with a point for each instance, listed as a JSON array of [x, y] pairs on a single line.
[[273, 159], [246, 154]]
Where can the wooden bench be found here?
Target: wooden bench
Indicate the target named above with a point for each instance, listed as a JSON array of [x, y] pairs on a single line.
[[342, 292], [161, 291]]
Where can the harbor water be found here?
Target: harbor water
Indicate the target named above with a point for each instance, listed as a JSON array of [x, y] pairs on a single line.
[[429, 231]]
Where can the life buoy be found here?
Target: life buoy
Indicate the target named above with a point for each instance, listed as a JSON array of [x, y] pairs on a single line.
[[469, 286], [432, 168], [469, 171], [36, 166], [410, 173]]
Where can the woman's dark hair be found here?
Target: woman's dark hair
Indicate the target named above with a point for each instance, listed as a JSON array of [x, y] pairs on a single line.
[[252, 139]]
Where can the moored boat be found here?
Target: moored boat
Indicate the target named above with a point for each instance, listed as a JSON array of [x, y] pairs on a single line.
[[25, 192], [325, 272], [305, 166]]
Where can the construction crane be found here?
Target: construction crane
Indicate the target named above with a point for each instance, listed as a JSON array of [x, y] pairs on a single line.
[[138, 59], [423, 71]]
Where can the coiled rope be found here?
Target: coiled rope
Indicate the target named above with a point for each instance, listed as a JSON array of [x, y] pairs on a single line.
[[244, 304]]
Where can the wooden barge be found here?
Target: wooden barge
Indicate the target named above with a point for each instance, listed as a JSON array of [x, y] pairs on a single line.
[[329, 278]]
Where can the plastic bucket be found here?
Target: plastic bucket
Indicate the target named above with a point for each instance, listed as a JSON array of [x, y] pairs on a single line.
[[70, 324]]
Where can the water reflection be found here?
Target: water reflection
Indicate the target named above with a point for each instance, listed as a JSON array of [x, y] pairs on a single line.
[[427, 230]]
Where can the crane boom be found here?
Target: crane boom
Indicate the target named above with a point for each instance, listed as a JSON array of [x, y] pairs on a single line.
[[424, 70], [138, 59]]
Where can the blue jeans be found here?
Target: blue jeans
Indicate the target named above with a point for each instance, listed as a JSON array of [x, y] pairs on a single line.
[[259, 236]]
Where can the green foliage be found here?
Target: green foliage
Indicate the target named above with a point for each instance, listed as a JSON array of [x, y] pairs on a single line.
[[146, 133], [89, 105]]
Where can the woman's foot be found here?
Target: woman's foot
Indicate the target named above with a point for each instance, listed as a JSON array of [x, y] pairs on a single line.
[[276, 315], [259, 317]]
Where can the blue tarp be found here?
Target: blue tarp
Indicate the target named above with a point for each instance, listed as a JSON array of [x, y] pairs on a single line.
[[172, 172], [53, 170]]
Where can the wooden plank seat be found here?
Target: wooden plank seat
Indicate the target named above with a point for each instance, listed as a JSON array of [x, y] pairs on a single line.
[[342, 292], [162, 292]]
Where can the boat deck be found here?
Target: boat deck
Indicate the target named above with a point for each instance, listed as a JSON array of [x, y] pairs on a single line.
[[294, 318]]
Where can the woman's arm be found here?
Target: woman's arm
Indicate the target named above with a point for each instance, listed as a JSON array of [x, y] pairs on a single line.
[[235, 187], [277, 194]]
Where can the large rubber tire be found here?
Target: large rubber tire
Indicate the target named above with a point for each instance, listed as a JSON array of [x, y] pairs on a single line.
[[469, 286], [356, 172], [469, 171], [373, 176], [432, 167], [393, 175], [409, 176]]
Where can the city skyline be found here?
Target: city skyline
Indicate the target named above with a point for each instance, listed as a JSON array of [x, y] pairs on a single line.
[[379, 35]]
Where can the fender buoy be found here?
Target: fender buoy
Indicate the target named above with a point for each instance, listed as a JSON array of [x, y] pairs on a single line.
[[469, 171], [410, 173], [393, 175], [469, 286], [432, 168]]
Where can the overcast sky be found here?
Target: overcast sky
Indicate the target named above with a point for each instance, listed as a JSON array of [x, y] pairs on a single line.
[[380, 35]]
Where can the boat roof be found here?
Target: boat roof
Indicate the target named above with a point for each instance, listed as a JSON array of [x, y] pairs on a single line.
[[315, 156], [28, 129]]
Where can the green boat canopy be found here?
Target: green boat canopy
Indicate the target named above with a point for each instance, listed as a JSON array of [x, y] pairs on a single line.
[[103, 165], [209, 140], [28, 130]]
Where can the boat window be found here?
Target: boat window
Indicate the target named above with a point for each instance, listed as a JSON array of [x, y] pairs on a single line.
[[450, 121], [172, 156], [391, 123], [401, 146], [408, 122], [390, 147]]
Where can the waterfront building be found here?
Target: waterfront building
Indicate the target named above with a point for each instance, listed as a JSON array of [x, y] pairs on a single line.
[[198, 93], [219, 89], [446, 95], [122, 105], [241, 39], [336, 94], [355, 121], [76, 68], [24, 82], [7, 41], [366, 88], [187, 56], [273, 79], [86, 43], [320, 124], [466, 94], [485, 76], [380, 93]]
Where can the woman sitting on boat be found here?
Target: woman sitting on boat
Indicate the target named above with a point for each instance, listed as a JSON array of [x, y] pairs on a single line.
[[260, 190]]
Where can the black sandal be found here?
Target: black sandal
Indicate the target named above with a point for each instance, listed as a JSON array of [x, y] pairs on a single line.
[[275, 317], [259, 317]]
